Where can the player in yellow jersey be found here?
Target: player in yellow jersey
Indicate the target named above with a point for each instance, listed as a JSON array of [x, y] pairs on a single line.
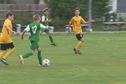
[[6, 43], [76, 23]]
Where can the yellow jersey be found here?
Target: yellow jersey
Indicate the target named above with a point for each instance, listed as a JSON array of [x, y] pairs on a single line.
[[5, 36], [76, 22]]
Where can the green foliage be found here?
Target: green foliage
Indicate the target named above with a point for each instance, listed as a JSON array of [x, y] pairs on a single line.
[[121, 19], [64, 9], [7, 1], [20, 18], [24, 18], [99, 8], [110, 16]]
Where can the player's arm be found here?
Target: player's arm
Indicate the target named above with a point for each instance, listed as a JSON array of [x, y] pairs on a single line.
[[71, 22], [86, 22], [22, 36], [9, 29], [47, 20], [83, 21], [44, 28], [24, 31]]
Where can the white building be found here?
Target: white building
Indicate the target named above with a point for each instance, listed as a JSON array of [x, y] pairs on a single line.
[[113, 5], [118, 6], [42, 2]]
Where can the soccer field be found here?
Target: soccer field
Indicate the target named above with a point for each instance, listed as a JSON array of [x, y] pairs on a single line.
[[103, 61]]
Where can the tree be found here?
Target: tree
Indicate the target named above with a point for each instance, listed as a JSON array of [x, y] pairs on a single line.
[[7, 1], [63, 10], [100, 8]]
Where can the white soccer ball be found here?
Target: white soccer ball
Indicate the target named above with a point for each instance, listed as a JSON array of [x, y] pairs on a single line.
[[46, 62]]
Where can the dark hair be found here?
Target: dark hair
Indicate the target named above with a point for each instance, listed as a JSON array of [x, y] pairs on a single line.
[[45, 9], [9, 14], [36, 17], [77, 8]]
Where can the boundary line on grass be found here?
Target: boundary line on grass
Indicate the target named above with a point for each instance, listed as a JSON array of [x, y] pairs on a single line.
[[97, 32], [92, 32]]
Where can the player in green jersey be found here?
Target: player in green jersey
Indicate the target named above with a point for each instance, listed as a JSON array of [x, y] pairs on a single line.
[[45, 20], [34, 28]]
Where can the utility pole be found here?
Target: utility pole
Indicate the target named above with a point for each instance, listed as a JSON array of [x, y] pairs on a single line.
[[90, 12], [5, 8]]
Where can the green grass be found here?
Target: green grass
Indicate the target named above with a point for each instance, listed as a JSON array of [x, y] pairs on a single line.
[[103, 61]]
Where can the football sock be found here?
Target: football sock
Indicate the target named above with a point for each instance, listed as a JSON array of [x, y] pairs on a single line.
[[27, 55], [79, 44], [39, 57], [8, 53], [51, 39], [2, 53]]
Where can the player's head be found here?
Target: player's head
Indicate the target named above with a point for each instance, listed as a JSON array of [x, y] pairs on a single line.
[[45, 11], [36, 18], [77, 11], [10, 16]]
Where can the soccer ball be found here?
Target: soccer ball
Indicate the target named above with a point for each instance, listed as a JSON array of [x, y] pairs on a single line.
[[46, 62]]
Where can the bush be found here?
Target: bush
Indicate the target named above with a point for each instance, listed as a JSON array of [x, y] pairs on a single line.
[[59, 24]]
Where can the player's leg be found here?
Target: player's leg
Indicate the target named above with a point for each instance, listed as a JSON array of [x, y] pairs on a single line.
[[2, 53], [2, 47], [79, 44], [2, 50], [50, 38], [81, 41], [8, 53], [39, 56], [27, 55], [9, 49]]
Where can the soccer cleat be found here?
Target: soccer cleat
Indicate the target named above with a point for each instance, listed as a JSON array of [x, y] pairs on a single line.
[[40, 65], [4, 61], [21, 59], [75, 51], [53, 44], [78, 52]]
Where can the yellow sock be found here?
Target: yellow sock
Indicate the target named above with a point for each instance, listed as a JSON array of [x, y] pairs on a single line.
[[79, 44], [2, 53], [8, 53]]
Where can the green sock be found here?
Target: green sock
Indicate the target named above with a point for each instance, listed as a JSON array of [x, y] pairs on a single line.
[[27, 55], [51, 39], [39, 57]]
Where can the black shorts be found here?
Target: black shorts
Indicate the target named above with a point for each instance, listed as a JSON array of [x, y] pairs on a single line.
[[6, 46], [79, 36]]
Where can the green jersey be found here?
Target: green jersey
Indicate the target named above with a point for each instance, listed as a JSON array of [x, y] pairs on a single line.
[[44, 18], [34, 29]]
